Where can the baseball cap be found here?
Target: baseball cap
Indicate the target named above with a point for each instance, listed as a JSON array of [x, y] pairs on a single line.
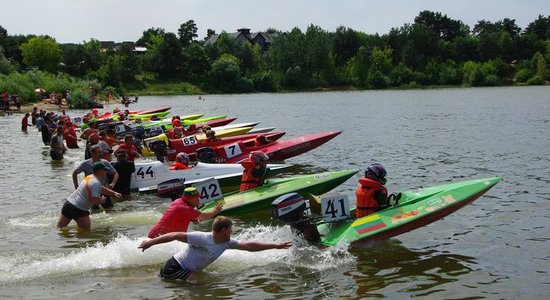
[[190, 192], [99, 166]]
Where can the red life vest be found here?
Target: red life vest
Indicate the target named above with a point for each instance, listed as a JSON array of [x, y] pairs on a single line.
[[178, 166], [253, 175], [366, 203]]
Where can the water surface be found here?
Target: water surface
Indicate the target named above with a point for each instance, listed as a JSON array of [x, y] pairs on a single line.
[[495, 248]]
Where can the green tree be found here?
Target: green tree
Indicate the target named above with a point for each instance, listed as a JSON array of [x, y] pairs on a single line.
[[187, 33], [442, 26], [129, 62], [92, 58], [196, 61], [166, 55], [148, 34], [345, 44], [72, 59], [540, 27], [209, 33], [42, 52], [287, 51], [225, 73], [358, 66], [6, 66]]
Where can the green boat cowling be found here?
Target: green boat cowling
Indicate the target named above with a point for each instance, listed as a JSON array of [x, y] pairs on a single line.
[[259, 200], [415, 209]]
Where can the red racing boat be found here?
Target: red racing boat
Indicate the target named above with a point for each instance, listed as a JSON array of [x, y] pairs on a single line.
[[279, 150], [150, 111], [190, 144]]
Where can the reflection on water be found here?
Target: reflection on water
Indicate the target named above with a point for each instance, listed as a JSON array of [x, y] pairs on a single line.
[[495, 248]]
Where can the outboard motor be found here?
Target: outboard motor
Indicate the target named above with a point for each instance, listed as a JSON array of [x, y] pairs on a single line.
[[155, 131], [103, 126], [207, 155], [138, 132], [172, 188], [294, 209], [159, 147]]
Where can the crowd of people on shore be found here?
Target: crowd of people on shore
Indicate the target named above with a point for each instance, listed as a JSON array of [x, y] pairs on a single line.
[[7, 100]]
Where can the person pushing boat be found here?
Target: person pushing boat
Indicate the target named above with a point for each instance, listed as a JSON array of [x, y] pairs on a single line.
[[181, 212], [204, 248], [255, 170], [88, 193]]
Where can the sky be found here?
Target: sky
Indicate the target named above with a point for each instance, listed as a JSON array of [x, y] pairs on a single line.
[[74, 21]]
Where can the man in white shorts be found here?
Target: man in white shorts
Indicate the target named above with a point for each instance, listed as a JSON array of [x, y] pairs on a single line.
[[204, 248]]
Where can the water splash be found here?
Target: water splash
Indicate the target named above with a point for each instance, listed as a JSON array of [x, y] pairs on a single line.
[[122, 253]]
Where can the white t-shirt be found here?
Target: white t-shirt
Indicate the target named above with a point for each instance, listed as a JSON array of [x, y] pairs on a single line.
[[202, 251], [80, 198]]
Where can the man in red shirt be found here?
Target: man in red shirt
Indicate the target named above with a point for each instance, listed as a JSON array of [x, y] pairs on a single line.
[[25, 122], [129, 147], [70, 136], [180, 213]]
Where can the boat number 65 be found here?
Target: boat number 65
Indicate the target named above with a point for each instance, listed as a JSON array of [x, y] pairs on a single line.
[[190, 140]]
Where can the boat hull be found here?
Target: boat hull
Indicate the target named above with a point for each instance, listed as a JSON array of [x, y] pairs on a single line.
[[259, 200], [415, 209]]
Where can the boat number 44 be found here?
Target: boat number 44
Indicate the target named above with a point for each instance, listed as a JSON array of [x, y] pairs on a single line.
[[335, 208], [145, 173]]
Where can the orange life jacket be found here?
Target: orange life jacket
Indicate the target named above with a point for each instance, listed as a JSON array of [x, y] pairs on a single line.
[[366, 203], [178, 166], [253, 175]]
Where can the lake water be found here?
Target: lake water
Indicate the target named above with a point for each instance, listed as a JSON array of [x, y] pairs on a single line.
[[498, 247]]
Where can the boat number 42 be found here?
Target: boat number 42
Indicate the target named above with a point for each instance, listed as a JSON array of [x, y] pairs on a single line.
[[209, 190], [335, 208]]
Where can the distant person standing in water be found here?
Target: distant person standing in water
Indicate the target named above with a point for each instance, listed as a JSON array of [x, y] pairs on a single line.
[[57, 147], [25, 122]]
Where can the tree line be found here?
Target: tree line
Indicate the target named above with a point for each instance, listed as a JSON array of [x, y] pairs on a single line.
[[434, 50]]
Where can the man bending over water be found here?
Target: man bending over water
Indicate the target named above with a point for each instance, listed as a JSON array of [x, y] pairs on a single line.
[[89, 191], [204, 248]]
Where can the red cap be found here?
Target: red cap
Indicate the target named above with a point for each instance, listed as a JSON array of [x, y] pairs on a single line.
[[94, 136]]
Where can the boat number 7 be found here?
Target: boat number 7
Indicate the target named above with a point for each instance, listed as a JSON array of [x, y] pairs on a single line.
[[145, 173], [335, 208], [232, 150]]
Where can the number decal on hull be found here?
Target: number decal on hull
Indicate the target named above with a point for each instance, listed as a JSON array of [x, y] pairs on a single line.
[[335, 208], [232, 150], [209, 190], [145, 173], [189, 140]]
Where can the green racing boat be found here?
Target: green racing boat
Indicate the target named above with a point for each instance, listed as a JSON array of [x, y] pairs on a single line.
[[259, 199], [414, 209]]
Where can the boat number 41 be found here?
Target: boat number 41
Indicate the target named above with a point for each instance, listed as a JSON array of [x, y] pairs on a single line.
[[335, 208]]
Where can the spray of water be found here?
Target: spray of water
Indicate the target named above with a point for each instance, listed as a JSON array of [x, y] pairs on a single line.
[[122, 252]]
